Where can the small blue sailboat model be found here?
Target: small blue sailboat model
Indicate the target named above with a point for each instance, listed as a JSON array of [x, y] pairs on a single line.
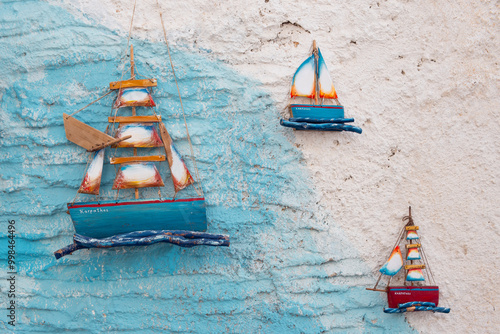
[[312, 80], [135, 222]]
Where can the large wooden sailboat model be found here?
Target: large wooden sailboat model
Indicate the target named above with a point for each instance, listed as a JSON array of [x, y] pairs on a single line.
[[134, 222], [312, 80], [414, 295]]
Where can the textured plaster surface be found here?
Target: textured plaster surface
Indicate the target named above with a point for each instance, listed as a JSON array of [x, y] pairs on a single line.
[[312, 215]]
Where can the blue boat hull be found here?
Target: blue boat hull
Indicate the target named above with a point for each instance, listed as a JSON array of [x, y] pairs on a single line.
[[318, 112], [108, 218]]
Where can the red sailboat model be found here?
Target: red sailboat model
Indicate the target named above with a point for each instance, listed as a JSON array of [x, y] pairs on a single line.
[[414, 294]]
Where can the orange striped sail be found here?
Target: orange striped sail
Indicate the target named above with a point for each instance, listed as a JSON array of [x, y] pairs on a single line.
[[180, 174], [137, 175], [326, 89], [413, 254], [394, 264], [92, 180], [415, 275], [411, 235], [143, 135], [134, 97], [304, 80]]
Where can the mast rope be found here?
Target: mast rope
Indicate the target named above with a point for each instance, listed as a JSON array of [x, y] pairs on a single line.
[[91, 103], [198, 191], [130, 29]]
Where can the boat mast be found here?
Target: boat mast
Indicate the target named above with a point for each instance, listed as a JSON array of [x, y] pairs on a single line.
[[316, 64], [132, 74]]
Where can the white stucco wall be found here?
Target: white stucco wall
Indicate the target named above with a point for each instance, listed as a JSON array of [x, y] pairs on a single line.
[[422, 80]]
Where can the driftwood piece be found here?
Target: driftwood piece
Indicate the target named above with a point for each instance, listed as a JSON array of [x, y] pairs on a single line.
[[320, 126], [321, 120], [417, 308], [144, 238], [84, 135]]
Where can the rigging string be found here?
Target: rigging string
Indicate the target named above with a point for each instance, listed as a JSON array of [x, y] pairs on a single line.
[[130, 29], [198, 191], [91, 103]]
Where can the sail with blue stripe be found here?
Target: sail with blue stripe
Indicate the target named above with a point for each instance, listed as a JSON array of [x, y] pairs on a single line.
[[304, 80]]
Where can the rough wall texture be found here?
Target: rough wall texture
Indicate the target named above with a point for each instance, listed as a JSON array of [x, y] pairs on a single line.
[[311, 215]]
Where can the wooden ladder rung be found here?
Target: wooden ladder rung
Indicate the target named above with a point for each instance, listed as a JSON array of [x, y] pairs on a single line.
[[122, 160], [414, 266], [135, 119], [132, 83]]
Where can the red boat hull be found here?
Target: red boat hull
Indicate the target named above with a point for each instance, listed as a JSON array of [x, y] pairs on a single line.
[[403, 294]]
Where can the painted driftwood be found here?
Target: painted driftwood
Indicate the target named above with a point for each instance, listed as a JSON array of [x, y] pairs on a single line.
[[144, 238], [321, 120], [320, 126]]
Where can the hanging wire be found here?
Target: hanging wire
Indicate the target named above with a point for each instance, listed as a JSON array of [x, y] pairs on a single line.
[[199, 191], [91, 103]]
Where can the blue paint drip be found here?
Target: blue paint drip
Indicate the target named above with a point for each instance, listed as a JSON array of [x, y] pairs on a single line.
[[273, 279]]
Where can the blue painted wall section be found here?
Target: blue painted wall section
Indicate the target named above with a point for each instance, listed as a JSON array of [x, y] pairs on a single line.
[[282, 273]]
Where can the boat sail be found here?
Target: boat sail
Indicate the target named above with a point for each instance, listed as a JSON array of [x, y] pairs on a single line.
[[413, 295], [312, 80], [125, 222]]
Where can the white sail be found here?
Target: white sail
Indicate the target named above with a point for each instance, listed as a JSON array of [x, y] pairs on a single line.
[[304, 80], [394, 264], [326, 89], [92, 180]]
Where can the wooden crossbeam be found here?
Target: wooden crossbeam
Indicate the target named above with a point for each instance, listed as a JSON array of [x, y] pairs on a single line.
[[411, 228], [133, 83], [135, 119], [414, 266], [122, 160], [413, 246]]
